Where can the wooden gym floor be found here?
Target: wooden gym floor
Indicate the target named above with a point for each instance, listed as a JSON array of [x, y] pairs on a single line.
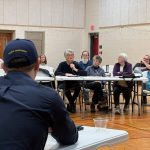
[[138, 127]]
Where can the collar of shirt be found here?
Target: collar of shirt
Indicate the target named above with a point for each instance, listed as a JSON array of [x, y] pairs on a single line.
[[19, 77]]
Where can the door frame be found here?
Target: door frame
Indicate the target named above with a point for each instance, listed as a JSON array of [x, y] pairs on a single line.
[[90, 42], [3, 32]]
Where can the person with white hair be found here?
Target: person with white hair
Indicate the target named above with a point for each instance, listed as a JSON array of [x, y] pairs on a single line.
[[70, 68], [122, 67]]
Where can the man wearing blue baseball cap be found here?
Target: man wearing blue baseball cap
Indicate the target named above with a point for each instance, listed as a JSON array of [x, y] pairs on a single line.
[[28, 109]]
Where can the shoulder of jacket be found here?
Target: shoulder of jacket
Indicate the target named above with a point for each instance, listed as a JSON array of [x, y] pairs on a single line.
[[128, 64], [62, 63], [116, 64]]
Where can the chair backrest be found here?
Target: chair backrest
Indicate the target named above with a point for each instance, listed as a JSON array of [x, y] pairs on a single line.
[[48, 68]]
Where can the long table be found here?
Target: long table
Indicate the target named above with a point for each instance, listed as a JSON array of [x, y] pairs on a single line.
[[109, 80], [44, 79], [90, 139], [97, 78]]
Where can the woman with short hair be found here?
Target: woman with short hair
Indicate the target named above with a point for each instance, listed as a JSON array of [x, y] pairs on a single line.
[[122, 67], [96, 86]]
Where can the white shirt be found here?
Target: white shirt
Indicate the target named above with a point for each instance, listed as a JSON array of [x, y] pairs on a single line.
[[48, 68], [121, 68]]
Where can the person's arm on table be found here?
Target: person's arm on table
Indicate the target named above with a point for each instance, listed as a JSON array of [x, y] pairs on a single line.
[[63, 128], [115, 71], [78, 70]]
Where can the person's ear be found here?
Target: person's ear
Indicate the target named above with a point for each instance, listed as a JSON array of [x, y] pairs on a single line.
[[37, 64], [4, 68]]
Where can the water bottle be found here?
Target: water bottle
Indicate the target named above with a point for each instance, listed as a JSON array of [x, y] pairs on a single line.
[[107, 68], [148, 82]]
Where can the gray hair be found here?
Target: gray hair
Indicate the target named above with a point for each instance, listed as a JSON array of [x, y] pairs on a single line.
[[68, 51], [97, 57], [124, 55]]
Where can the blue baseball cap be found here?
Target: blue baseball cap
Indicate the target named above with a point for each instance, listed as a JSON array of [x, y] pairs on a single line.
[[20, 53]]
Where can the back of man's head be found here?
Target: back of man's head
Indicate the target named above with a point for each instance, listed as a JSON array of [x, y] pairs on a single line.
[[20, 53]]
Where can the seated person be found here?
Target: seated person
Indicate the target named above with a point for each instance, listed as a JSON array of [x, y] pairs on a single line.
[[70, 68], [121, 68], [96, 86], [45, 70], [141, 67], [44, 67], [147, 67], [28, 109], [84, 63], [43, 60], [146, 62]]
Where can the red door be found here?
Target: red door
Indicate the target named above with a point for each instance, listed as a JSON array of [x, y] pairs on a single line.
[[94, 44]]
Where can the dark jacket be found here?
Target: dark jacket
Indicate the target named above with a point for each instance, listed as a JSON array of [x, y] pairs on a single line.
[[126, 70], [139, 65], [27, 109], [63, 68]]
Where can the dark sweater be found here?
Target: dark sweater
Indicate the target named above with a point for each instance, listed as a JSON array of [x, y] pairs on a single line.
[[63, 68], [139, 65], [126, 70]]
